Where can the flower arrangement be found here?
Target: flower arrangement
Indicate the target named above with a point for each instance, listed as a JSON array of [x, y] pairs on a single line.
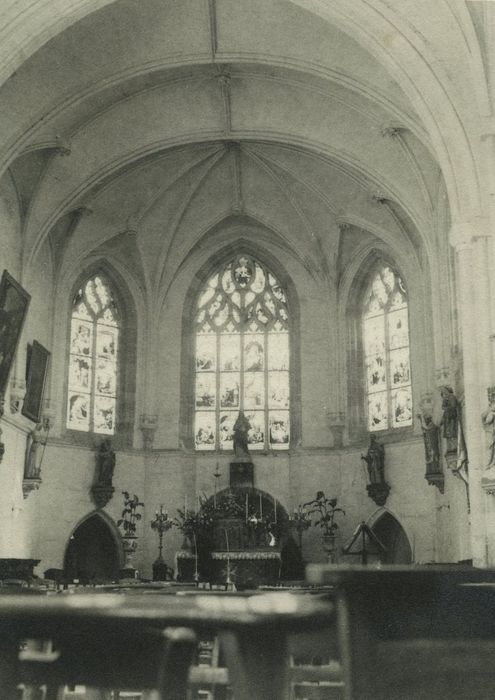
[[230, 505], [197, 523], [130, 516], [326, 510]]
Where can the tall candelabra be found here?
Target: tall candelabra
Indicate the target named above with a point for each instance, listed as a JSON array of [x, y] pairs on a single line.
[[161, 524]]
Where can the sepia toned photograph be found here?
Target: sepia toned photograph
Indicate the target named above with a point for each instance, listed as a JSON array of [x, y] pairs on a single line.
[[247, 349]]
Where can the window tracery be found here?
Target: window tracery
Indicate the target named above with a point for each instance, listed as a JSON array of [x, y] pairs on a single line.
[[94, 340], [242, 357], [385, 326]]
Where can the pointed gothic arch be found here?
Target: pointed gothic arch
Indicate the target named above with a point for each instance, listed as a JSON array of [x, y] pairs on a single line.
[[392, 534], [94, 551], [126, 369], [237, 249]]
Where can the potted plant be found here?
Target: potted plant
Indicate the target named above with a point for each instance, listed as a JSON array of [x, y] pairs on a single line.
[[325, 509], [127, 523]]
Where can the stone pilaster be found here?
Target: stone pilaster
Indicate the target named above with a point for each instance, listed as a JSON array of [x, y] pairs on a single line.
[[469, 244]]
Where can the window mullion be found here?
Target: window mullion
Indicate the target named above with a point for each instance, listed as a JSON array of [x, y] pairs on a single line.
[[217, 386], [265, 388], [387, 367], [241, 354], [93, 379]]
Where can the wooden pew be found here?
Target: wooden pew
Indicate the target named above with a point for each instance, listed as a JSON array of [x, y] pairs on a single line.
[[140, 642], [414, 633]]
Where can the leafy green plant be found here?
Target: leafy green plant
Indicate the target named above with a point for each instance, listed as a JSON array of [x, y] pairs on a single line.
[[326, 510], [130, 516], [196, 523]]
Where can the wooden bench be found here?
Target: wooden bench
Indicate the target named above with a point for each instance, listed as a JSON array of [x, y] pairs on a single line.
[[138, 642], [414, 633]]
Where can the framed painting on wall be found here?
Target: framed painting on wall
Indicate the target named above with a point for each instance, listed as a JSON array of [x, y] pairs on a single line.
[[14, 302], [37, 366]]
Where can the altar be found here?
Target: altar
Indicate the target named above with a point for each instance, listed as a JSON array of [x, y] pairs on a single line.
[[239, 540], [248, 569]]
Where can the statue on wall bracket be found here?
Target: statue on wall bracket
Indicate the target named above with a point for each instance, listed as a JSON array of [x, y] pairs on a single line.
[[431, 436], [242, 426], [35, 451], [102, 489], [456, 454], [241, 468], [377, 489], [488, 420], [2, 410]]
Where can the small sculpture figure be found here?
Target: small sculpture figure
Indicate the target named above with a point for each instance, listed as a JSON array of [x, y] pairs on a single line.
[[488, 418], [242, 426], [105, 463], [36, 442], [375, 460], [450, 417], [432, 447]]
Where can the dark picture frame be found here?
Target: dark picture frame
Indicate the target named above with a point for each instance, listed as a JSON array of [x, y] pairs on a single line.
[[14, 302], [38, 358]]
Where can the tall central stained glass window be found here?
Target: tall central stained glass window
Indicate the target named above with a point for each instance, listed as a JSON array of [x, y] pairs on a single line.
[[242, 357], [94, 338], [386, 352]]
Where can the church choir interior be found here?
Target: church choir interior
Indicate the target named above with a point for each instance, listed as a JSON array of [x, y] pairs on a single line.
[[247, 358]]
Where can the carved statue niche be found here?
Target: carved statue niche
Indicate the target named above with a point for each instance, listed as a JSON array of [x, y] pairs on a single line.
[[378, 489], [102, 489]]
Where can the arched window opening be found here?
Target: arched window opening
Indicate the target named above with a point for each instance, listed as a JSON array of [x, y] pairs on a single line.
[[242, 357], [386, 351], [93, 361]]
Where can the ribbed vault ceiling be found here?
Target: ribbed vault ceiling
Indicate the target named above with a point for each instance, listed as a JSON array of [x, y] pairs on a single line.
[[156, 121]]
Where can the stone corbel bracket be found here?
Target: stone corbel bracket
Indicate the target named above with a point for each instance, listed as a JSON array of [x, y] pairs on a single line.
[[436, 479], [488, 482], [148, 424], [378, 493], [336, 422], [29, 485], [101, 494]]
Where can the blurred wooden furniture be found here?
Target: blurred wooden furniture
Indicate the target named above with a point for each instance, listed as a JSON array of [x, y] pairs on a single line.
[[414, 633], [148, 641]]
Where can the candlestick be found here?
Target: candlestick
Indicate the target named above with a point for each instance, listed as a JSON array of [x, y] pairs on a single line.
[[261, 507], [196, 572], [275, 508], [247, 506], [217, 476], [161, 524]]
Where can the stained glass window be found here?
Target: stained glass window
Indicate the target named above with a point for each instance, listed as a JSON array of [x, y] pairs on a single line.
[[94, 338], [386, 352], [242, 357]]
